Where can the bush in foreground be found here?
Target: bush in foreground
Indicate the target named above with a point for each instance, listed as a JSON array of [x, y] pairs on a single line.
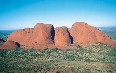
[[98, 59]]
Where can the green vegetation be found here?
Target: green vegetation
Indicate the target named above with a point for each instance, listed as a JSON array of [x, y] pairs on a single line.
[[92, 59]]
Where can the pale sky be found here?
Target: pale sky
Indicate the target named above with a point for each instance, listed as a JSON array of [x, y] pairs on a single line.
[[18, 14]]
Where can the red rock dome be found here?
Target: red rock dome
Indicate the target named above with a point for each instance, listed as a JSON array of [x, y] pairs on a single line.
[[84, 34], [9, 45], [44, 36]]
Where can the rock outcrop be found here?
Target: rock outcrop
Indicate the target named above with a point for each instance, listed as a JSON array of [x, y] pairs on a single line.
[[84, 34], [38, 37], [62, 37], [21, 36], [44, 36], [10, 45]]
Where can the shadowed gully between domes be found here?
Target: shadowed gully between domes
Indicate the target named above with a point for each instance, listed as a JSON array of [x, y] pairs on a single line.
[[45, 36]]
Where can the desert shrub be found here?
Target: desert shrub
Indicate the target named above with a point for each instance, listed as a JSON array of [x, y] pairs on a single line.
[[42, 61], [112, 51]]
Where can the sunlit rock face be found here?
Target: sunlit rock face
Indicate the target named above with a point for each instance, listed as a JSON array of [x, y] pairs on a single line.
[[63, 39], [38, 37], [10, 45], [45, 36], [62, 36], [84, 34]]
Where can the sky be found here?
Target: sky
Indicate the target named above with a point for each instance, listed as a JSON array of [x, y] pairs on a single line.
[[18, 14]]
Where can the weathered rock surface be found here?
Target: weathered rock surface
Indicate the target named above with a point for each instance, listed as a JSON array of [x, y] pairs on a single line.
[[62, 36], [38, 37], [21, 36], [44, 36], [9, 45], [84, 34]]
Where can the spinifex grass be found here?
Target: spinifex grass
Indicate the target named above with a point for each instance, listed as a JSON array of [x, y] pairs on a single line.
[[92, 59]]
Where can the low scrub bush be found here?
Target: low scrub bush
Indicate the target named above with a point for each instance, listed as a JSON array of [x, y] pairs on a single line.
[[88, 60]]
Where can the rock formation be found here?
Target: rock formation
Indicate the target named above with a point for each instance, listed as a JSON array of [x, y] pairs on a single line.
[[9, 45], [44, 36], [62, 38], [38, 37], [84, 34], [21, 36]]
